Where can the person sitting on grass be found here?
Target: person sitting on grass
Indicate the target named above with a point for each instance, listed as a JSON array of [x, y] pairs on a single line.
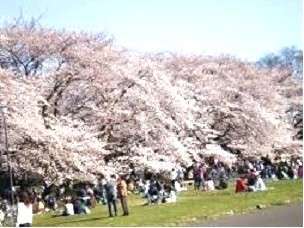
[[41, 206], [140, 187], [210, 185], [153, 193], [241, 185], [84, 208], [51, 202], [78, 207], [169, 195], [260, 185], [172, 196], [68, 208], [91, 201], [89, 191], [223, 179], [251, 181], [177, 186]]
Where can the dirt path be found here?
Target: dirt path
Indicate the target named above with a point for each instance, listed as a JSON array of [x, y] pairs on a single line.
[[287, 215]]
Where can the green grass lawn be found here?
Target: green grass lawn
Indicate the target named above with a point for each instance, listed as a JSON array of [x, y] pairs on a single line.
[[190, 207]]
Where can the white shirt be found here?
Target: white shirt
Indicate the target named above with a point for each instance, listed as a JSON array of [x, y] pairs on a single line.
[[24, 213], [177, 186], [250, 166], [172, 197], [103, 182], [210, 185], [260, 185], [173, 175], [90, 191], [40, 206], [1, 216], [69, 209]]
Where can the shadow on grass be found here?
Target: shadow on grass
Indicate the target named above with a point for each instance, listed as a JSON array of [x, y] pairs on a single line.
[[79, 220]]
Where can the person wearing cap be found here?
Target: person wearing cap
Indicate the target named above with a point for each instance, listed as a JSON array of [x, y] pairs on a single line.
[[122, 191]]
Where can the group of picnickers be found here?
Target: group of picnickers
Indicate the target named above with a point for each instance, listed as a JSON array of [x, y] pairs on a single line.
[[66, 202], [111, 189], [207, 175], [250, 174], [254, 173]]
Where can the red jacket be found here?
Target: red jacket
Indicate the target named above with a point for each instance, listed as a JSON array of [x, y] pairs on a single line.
[[240, 186]]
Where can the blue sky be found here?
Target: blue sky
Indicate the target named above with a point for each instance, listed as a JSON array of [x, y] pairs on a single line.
[[247, 29]]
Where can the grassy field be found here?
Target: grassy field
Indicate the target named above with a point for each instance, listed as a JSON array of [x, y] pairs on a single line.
[[191, 207]]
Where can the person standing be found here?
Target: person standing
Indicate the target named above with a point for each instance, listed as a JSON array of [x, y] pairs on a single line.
[[197, 176], [24, 210], [111, 195], [173, 177], [122, 191], [300, 171], [203, 175]]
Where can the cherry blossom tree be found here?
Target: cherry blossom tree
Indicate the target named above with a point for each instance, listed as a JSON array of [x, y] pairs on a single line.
[[79, 106]]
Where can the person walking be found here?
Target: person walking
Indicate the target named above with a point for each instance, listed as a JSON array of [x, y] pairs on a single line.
[[24, 210], [111, 195], [123, 194]]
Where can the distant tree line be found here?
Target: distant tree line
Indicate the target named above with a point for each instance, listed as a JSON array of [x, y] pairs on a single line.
[[287, 58]]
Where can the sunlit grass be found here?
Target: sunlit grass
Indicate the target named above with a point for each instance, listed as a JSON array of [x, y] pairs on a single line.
[[190, 207]]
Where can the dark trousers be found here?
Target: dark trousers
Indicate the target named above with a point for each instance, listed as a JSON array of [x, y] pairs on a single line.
[[197, 182], [124, 205], [25, 225], [173, 183], [111, 203]]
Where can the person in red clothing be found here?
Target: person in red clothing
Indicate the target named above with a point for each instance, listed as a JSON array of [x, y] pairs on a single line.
[[241, 185]]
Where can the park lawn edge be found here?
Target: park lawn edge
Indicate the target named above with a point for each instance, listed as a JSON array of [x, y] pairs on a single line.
[[206, 219], [248, 210]]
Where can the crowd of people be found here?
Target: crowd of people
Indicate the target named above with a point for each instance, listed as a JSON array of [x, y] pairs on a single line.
[[207, 175], [250, 174], [67, 200], [254, 173]]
